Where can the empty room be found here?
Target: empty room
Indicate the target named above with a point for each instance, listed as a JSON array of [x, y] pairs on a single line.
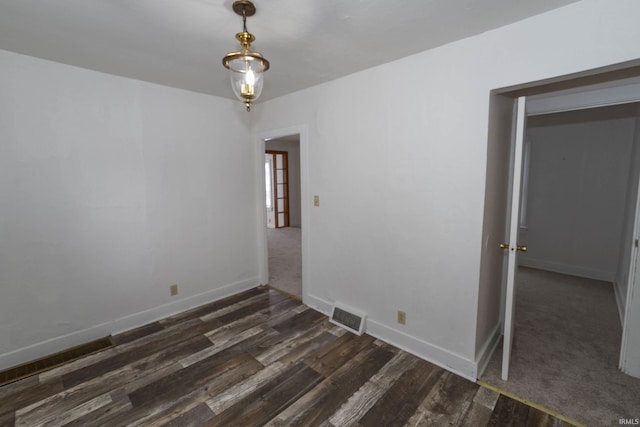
[[136, 208]]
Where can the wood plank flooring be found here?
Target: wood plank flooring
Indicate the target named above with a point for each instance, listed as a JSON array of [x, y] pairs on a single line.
[[256, 358]]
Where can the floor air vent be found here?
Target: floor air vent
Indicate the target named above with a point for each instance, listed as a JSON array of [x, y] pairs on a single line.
[[350, 319], [49, 362]]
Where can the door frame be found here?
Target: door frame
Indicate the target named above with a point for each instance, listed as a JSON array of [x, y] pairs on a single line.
[[260, 139], [631, 283], [601, 97]]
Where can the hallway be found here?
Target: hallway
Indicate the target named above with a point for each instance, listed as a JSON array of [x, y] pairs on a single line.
[[285, 260]]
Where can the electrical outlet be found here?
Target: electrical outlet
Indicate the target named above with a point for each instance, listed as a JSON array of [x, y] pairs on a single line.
[[316, 200], [402, 317], [173, 290]]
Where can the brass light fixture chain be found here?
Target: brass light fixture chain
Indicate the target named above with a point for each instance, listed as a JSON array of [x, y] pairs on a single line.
[[244, 20], [246, 67]]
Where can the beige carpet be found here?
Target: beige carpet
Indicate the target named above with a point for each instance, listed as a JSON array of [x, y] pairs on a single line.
[[566, 348], [285, 259]]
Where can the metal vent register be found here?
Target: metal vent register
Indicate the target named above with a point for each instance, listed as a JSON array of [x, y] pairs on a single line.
[[348, 318]]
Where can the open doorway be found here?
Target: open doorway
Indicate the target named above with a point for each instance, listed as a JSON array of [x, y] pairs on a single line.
[[505, 133], [283, 214], [568, 315]]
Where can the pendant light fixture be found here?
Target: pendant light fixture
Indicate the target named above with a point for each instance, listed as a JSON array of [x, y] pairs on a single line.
[[245, 67]]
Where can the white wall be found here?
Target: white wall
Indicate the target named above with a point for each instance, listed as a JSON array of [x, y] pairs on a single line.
[[579, 167], [627, 237], [293, 157], [631, 355], [400, 169], [629, 302], [111, 190]]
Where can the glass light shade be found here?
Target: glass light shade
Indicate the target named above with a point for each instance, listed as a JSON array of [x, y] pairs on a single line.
[[246, 75], [245, 67]]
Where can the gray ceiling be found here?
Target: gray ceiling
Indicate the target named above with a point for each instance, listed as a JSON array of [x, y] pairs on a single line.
[[181, 43]]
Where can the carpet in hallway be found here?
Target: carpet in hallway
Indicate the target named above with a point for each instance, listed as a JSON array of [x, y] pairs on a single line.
[[285, 259], [566, 347]]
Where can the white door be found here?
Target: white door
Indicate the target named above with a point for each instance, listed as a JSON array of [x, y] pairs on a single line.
[[512, 244]]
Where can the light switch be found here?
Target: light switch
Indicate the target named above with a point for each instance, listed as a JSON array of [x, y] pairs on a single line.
[[316, 200]]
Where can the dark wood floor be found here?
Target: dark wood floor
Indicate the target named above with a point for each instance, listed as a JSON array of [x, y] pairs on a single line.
[[253, 359]]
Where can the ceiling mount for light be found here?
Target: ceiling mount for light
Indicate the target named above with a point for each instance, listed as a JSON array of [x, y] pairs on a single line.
[[245, 67]]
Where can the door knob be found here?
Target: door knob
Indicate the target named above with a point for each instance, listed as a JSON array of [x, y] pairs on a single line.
[[520, 248]]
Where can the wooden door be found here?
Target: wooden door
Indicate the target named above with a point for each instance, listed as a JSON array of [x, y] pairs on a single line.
[[281, 187]]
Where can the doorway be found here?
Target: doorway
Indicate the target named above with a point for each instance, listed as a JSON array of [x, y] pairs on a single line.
[[602, 246], [284, 214], [577, 97], [567, 333]]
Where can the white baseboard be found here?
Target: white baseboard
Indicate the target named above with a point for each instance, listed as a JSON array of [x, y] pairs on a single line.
[[56, 344], [318, 304], [487, 350], [432, 353], [571, 270]]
